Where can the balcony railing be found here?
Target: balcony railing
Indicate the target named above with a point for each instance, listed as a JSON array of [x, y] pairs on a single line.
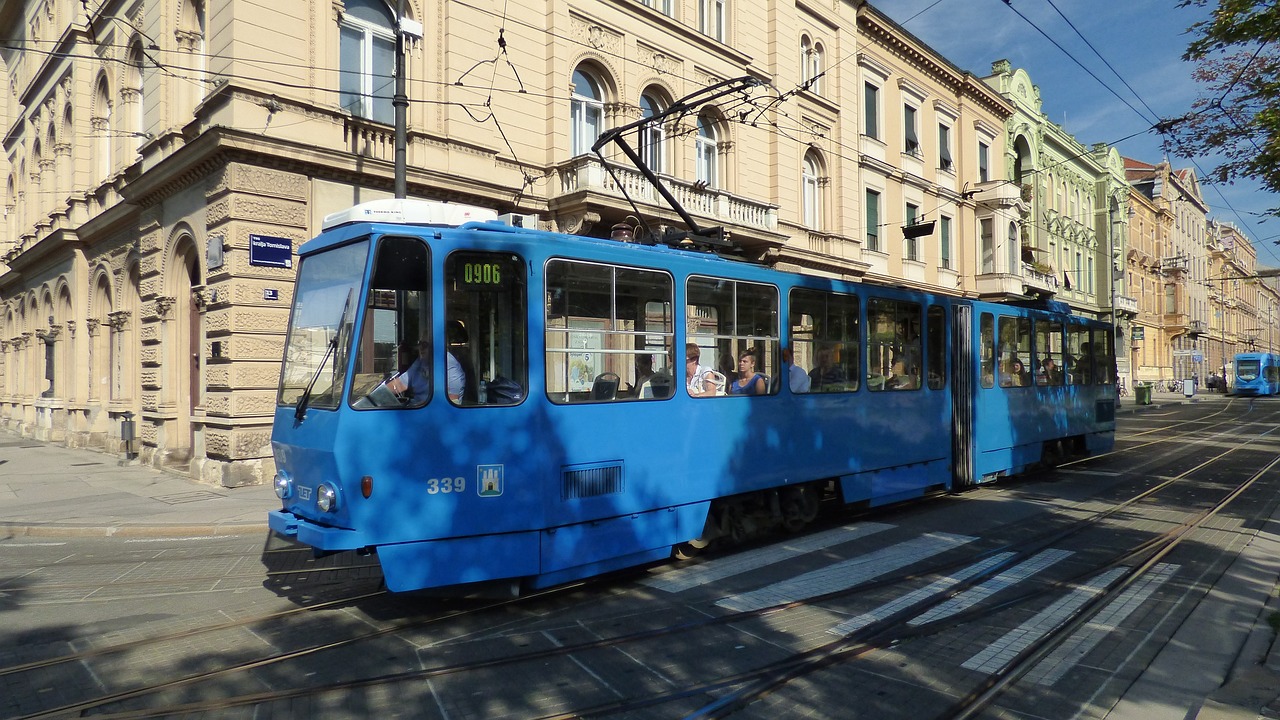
[[1043, 281], [1126, 305], [587, 174]]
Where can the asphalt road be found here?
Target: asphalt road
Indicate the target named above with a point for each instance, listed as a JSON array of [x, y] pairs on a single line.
[[907, 612]]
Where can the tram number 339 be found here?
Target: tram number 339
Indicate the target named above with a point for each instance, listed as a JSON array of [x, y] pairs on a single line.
[[436, 486]]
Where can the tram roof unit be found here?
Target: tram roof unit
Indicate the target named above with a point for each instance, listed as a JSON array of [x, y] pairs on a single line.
[[434, 213], [409, 212]]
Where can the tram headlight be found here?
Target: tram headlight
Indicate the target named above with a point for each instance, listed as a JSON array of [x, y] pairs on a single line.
[[284, 486], [326, 498]]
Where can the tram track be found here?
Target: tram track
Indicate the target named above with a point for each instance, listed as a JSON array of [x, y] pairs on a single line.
[[845, 648]]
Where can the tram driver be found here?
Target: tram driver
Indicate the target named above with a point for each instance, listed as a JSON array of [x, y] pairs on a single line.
[[416, 379]]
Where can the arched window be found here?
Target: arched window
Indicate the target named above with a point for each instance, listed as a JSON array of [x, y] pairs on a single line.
[[102, 128], [586, 111], [811, 191], [1015, 249], [368, 59], [806, 47], [652, 148], [811, 65], [133, 92], [708, 152]]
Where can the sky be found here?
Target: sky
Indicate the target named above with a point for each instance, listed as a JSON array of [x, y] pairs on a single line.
[[1143, 40]]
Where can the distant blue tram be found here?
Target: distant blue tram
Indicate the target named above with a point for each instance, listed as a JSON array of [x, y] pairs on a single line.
[[1257, 374], [552, 431]]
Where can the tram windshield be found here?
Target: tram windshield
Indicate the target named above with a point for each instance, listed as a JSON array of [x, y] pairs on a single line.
[[1247, 369], [315, 358]]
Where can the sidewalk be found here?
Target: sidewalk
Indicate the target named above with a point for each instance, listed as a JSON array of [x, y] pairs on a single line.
[[47, 489], [1161, 397]]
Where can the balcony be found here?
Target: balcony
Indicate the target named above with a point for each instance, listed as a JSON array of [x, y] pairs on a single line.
[[1174, 321], [1126, 306], [1195, 328], [584, 182], [1041, 283]]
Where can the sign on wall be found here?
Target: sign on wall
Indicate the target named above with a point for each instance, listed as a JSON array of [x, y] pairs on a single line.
[[270, 251]]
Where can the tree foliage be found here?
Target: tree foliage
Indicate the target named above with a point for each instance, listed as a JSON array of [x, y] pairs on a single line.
[[1237, 118]]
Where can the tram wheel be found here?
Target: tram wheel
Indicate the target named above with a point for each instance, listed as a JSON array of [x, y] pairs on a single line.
[[1053, 454]]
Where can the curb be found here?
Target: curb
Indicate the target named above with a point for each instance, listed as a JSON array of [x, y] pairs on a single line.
[[11, 530]]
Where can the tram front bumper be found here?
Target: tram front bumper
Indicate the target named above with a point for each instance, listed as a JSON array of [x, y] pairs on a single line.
[[320, 537]]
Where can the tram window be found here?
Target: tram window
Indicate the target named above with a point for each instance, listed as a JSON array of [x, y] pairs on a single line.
[[1103, 357], [1014, 352], [937, 347], [486, 329], [1079, 357], [609, 333], [893, 345], [725, 318], [987, 349], [824, 339], [1048, 365], [396, 324]]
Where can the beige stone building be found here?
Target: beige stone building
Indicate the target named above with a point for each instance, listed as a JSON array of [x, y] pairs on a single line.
[[1243, 309], [1200, 298], [151, 149]]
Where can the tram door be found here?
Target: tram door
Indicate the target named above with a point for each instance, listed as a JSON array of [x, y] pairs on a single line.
[[962, 396]]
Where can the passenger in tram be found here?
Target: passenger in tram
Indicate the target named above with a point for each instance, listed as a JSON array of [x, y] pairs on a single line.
[[1021, 377], [749, 381], [702, 382], [827, 373], [1050, 373], [797, 378], [459, 383], [644, 371], [900, 378]]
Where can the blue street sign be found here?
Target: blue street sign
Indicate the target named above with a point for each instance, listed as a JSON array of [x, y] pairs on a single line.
[[270, 251]]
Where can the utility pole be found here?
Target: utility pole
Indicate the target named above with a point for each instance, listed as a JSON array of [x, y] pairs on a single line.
[[400, 101]]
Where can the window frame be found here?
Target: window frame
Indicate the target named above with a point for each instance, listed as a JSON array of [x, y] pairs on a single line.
[[608, 334], [372, 106], [910, 131], [651, 138], [711, 18], [871, 110], [707, 151], [811, 191], [734, 342], [871, 201], [584, 110], [945, 162], [846, 376], [516, 350]]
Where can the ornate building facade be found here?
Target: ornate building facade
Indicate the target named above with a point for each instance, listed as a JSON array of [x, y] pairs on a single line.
[[161, 162], [1075, 217], [1171, 269]]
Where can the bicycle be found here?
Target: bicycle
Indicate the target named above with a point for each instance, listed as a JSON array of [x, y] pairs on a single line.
[[1122, 390], [1173, 386]]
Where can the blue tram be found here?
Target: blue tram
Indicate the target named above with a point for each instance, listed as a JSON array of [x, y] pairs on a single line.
[[477, 402], [1257, 374]]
